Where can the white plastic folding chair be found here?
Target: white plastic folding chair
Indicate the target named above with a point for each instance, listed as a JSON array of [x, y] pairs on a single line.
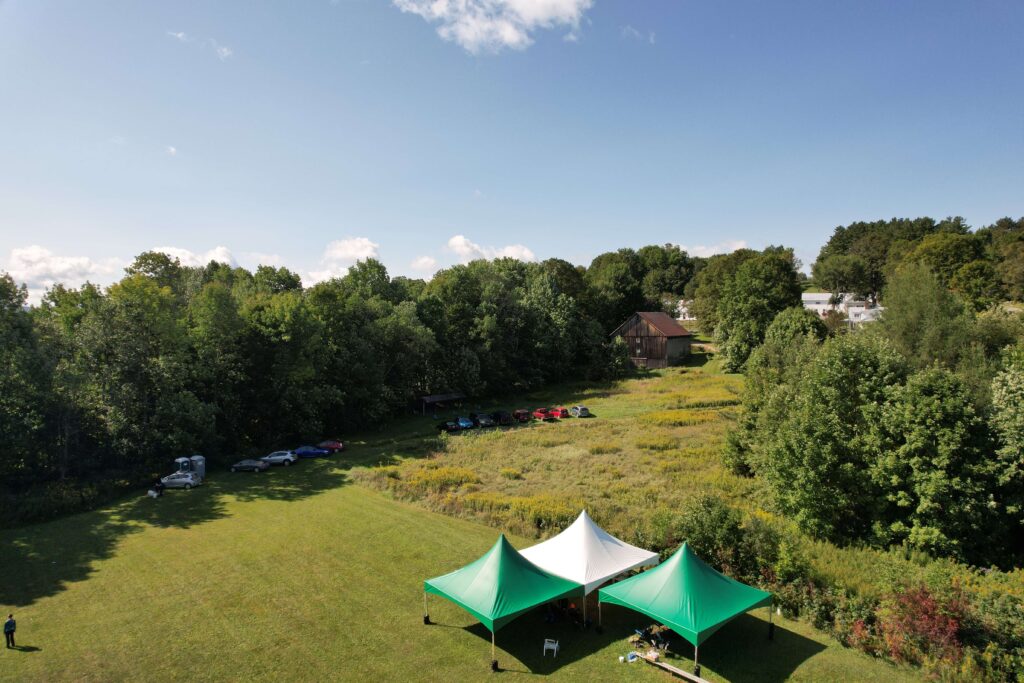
[[552, 645]]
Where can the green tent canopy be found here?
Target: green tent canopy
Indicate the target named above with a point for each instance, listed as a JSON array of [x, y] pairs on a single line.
[[687, 595], [500, 586]]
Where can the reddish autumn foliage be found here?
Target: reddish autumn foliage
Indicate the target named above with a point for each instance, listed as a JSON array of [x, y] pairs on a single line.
[[916, 624]]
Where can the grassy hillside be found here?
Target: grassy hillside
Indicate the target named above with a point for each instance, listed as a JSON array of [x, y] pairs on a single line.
[[654, 443], [298, 575]]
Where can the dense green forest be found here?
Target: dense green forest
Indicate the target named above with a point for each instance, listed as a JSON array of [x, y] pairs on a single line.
[[905, 436], [102, 388], [907, 432]]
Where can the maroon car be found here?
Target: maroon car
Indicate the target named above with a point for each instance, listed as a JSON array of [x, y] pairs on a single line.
[[332, 445], [521, 415]]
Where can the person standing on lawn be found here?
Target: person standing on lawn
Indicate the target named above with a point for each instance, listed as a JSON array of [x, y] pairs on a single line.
[[10, 626]]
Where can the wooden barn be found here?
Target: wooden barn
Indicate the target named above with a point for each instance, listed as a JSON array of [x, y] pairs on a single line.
[[655, 340]]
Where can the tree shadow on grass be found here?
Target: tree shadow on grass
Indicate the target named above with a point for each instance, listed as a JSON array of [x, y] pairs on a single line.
[[41, 560], [741, 651]]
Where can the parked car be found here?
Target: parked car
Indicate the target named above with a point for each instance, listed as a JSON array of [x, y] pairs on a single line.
[[559, 412], [579, 411], [521, 415], [543, 414], [285, 458], [332, 445], [485, 421], [181, 480], [465, 423], [450, 426], [502, 418], [311, 452], [250, 465]]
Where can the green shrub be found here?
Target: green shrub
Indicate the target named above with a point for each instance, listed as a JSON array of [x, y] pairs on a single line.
[[658, 443], [546, 512], [680, 418], [438, 479], [718, 403]]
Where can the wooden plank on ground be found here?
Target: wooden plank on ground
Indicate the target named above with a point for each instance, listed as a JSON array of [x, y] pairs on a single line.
[[685, 675]]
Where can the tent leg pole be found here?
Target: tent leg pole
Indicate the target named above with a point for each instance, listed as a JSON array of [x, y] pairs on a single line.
[[696, 666], [494, 660], [771, 624], [426, 614], [584, 610]]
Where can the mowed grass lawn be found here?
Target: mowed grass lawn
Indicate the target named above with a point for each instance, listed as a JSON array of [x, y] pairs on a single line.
[[297, 574]]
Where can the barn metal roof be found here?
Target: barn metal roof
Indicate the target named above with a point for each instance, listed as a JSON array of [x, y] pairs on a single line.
[[665, 324]]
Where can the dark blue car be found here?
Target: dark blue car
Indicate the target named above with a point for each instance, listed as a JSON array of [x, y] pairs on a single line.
[[311, 452]]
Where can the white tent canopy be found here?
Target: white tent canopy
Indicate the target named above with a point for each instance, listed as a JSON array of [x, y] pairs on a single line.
[[587, 554]]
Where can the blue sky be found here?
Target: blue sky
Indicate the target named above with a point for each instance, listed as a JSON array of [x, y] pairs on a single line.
[[309, 134]]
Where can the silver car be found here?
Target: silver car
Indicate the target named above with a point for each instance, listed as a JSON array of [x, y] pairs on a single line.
[[181, 480], [285, 458]]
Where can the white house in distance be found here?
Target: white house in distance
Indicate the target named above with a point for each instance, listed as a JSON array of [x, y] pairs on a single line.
[[856, 311], [683, 310]]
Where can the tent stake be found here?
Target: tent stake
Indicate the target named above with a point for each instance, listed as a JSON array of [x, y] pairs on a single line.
[[696, 666]]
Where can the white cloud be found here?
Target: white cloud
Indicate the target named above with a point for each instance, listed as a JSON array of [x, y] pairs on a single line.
[[351, 250], [171, 151], [39, 269], [340, 255], [468, 251], [492, 25], [425, 263], [222, 51], [635, 34], [726, 247], [199, 258], [118, 140]]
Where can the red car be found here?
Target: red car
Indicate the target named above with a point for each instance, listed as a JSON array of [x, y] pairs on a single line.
[[521, 415], [543, 414], [559, 412], [332, 445]]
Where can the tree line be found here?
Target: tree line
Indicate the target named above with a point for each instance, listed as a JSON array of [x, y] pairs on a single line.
[[982, 266], [102, 387], [907, 432]]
